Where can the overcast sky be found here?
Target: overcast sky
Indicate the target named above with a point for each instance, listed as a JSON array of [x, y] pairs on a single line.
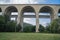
[[32, 20], [30, 1]]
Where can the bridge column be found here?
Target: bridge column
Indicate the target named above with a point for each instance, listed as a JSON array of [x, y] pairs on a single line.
[[37, 22], [54, 15], [20, 20], [3, 12]]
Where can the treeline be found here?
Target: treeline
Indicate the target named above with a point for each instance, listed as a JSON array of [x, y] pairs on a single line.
[[10, 26]]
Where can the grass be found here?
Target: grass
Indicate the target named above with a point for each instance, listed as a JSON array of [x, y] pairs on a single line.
[[28, 36]]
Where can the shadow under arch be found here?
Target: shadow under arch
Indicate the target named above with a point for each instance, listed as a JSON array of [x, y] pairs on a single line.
[[26, 9], [47, 13], [46, 9], [0, 10], [59, 13], [9, 10]]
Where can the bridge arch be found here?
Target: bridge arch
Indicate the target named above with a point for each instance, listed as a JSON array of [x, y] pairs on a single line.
[[47, 14], [26, 9], [47, 9], [9, 10], [0, 11], [59, 13]]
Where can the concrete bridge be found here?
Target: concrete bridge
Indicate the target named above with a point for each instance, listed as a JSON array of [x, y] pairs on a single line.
[[53, 9]]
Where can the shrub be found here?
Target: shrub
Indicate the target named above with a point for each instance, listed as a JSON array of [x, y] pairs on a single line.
[[41, 28], [18, 28], [54, 27], [29, 29]]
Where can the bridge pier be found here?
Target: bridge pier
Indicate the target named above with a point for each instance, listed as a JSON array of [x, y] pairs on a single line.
[[37, 22]]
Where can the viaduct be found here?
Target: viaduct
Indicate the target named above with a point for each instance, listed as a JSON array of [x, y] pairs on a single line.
[[53, 9]]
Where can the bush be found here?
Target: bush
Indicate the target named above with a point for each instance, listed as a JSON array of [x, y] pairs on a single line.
[[2, 23], [18, 28], [41, 28], [54, 27], [10, 26], [29, 29]]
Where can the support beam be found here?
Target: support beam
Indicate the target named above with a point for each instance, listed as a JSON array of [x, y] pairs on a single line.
[[37, 22], [21, 23]]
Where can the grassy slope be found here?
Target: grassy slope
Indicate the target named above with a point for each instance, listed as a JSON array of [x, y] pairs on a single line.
[[29, 36]]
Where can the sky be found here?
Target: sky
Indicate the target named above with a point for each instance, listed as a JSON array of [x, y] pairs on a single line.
[[30, 1], [42, 21]]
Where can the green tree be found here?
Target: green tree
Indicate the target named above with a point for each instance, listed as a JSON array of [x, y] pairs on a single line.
[[41, 28], [29, 29], [2, 23], [54, 27], [18, 28], [10, 26], [7, 18]]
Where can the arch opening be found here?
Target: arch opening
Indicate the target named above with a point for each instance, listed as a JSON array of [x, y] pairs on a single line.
[[45, 14], [0, 11], [12, 13], [28, 16], [59, 13]]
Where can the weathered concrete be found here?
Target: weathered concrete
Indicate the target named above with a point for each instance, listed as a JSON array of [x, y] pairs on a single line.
[[36, 8]]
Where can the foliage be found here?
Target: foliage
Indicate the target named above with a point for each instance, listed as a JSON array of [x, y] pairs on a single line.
[[54, 27], [41, 28], [6, 18], [2, 23], [8, 26], [29, 29], [18, 28]]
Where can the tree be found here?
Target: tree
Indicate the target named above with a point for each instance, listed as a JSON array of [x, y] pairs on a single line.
[[41, 28], [10, 26], [6, 18], [54, 27], [2, 23], [18, 28], [29, 29]]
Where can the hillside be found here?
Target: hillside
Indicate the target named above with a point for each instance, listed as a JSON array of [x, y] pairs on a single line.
[[27, 24]]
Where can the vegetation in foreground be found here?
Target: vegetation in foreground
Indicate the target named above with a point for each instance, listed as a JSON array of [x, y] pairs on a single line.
[[10, 26], [29, 36]]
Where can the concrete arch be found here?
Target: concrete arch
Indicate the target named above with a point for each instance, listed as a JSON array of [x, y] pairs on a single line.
[[59, 13], [58, 10], [10, 9], [25, 9], [0, 10], [47, 9]]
